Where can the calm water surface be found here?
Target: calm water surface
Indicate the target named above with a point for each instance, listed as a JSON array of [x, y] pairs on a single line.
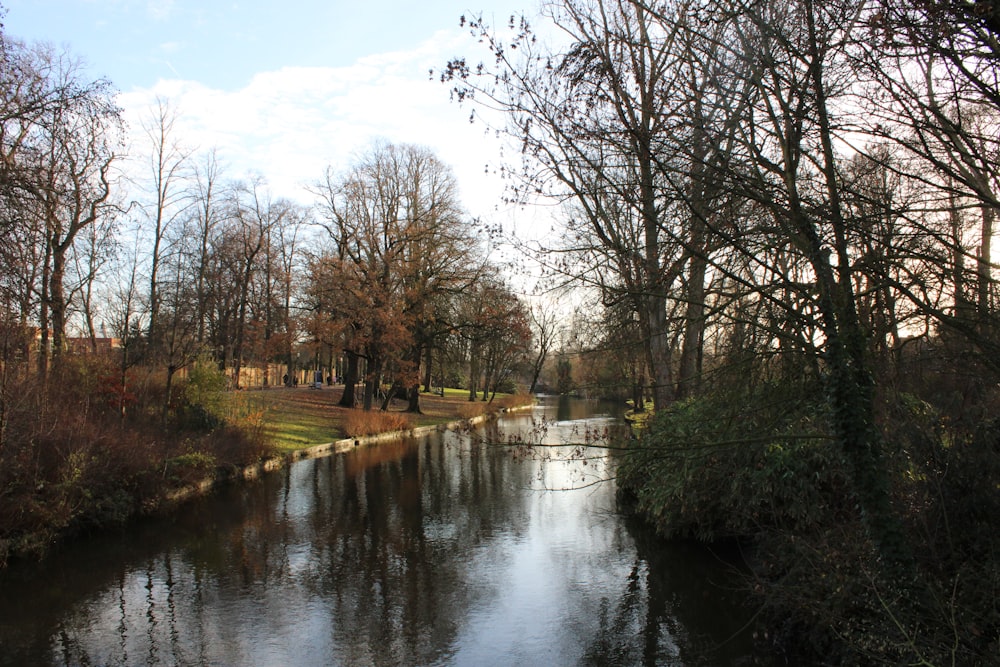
[[449, 550]]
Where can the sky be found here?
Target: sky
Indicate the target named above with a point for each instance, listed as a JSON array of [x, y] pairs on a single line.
[[284, 88]]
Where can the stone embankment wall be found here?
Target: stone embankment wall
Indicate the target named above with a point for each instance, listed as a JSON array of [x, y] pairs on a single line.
[[224, 476]]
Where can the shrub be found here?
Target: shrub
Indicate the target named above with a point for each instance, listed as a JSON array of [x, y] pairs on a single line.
[[67, 463], [205, 397], [360, 423], [761, 466], [516, 400], [471, 409], [70, 460], [239, 444], [188, 467], [716, 468]]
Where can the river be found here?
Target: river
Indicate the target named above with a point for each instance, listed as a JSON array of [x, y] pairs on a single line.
[[456, 549]]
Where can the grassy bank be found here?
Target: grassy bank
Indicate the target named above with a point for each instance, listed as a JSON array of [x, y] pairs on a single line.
[[89, 449], [295, 418]]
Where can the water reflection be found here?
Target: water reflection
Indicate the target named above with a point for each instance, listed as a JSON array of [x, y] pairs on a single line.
[[568, 408], [444, 551]]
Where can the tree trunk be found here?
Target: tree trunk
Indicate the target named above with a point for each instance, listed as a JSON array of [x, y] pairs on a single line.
[[347, 399], [372, 380], [428, 365], [534, 380], [658, 342], [963, 306], [638, 402], [57, 304], [168, 390], [536, 369], [123, 377], [413, 392], [983, 269], [694, 326], [396, 386], [487, 378], [473, 371], [241, 326], [413, 400], [658, 352], [154, 292], [850, 379], [44, 344]]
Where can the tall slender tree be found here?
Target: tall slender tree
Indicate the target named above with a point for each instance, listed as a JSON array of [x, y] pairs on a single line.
[[167, 171]]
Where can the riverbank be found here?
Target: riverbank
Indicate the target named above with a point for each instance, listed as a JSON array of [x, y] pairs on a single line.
[[294, 415], [765, 469], [76, 462], [300, 417], [451, 538]]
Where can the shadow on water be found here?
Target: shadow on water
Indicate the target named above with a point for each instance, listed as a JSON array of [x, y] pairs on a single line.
[[683, 604], [440, 551]]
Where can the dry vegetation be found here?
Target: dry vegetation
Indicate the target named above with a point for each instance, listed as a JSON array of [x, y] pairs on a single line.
[[358, 423], [81, 453], [301, 417]]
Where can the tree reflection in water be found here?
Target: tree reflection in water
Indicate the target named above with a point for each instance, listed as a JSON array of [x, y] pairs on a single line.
[[432, 552]]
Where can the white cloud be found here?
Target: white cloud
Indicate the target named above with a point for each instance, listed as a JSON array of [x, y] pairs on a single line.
[[290, 123], [160, 10]]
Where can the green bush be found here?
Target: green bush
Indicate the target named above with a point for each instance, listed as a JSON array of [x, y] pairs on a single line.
[[205, 397], [762, 466], [731, 466], [191, 466]]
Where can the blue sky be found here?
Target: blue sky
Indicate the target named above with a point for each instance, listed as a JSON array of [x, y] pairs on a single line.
[[223, 43], [283, 89]]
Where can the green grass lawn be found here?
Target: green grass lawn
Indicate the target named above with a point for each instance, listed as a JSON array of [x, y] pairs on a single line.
[[296, 418]]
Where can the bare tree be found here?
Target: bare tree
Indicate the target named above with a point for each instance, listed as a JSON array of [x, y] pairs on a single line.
[[289, 252], [544, 327], [933, 94], [123, 309], [255, 217], [76, 148], [625, 123], [400, 242], [590, 124], [89, 258], [59, 135], [167, 172]]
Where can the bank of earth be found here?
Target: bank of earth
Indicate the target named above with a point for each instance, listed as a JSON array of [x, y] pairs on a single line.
[[295, 422], [307, 422]]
